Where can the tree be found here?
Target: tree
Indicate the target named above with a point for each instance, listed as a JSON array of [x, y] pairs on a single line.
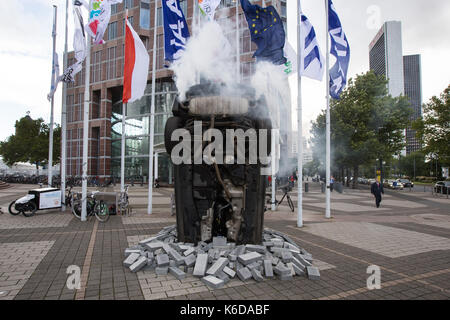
[[413, 165], [30, 143], [366, 124], [434, 129]]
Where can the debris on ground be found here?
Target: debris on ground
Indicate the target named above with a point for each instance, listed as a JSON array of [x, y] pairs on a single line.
[[218, 262]]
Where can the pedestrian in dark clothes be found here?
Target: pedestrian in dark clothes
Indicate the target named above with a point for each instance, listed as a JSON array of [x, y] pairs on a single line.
[[377, 190]]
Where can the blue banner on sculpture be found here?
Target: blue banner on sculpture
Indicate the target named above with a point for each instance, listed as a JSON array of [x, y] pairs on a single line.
[[176, 32], [341, 50]]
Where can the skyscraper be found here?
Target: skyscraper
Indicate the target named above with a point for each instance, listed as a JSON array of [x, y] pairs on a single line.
[[386, 56], [413, 90], [402, 72]]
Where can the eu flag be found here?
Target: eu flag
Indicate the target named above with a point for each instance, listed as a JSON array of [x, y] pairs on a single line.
[[267, 32]]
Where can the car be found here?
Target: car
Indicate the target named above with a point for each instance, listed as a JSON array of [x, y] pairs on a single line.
[[213, 198], [406, 183], [393, 184], [442, 187]]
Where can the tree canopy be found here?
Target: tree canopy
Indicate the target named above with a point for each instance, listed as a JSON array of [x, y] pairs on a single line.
[[433, 130], [366, 124], [30, 143]]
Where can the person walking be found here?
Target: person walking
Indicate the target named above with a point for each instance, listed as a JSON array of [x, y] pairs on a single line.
[[332, 184], [377, 190]]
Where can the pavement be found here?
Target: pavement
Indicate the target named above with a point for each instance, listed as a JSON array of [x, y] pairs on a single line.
[[408, 238]]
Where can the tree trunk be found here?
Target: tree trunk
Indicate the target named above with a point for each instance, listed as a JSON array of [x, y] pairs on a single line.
[[355, 176], [347, 182]]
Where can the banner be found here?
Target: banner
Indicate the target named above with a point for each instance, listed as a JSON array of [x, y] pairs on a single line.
[[208, 7], [176, 30], [99, 16]]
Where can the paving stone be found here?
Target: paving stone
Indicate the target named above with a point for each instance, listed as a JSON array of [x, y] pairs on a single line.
[[177, 257], [313, 273], [161, 270], [131, 259], [213, 282], [189, 251], [230, 272], [286, 277], [200, 265], [281, 269], [257, 275], [130, 251], [223, 276], [179, 274], [299, 265], [286, 256], [217, 266], [249, 258], [162, 260], [190, 260], [268, 270], [139, 264], [219, 242], [256, 248], [244, 274]]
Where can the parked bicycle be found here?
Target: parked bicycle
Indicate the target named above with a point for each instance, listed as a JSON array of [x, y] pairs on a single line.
[[94, 207], [286, 189]]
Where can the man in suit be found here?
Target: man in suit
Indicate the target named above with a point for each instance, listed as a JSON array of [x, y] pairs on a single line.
[[377, 190]]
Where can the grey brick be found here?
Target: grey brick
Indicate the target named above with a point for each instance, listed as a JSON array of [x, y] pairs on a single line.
[[275, 261], [200, 265], [256, 248], [139, 264], [268, 244], [253, 265], [232, 257], [189, 251], [244, 274], [162, 260], [268, 270], [281, 269], [177, 257], [217, 266], [240, 250], [179, 274], [131, 259], [213, 282], [130, 251], [291, 267], [161, 270], [297, 270], [219, 242], [297, 263], [257, 275], [313, 273], [190, 260], [223, 276], [230, 272], [286, 256], [153, 246], [248, 258]]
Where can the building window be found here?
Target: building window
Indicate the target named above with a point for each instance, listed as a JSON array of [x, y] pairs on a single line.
[[111, 66], [112, 30], [159, 20], [183, 5], [128, 4], [96, 67], [144, 17], [114, 8]]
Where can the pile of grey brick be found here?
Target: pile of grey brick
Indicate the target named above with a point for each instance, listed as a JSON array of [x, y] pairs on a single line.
[[218, 262]]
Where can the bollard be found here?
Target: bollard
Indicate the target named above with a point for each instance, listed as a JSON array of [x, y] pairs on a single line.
[[322, 186], [306, 187]]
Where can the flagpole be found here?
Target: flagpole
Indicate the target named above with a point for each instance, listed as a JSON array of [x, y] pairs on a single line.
[[123, 140], [299, 121], [238, 57], [64, 119], [54, 79], [152, 120], [86, 126], [328, 127]]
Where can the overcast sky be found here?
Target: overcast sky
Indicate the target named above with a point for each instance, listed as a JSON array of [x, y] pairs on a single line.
[[26, 44]]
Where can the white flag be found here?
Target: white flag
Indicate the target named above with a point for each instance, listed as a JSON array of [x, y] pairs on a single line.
[[99, 16], [311, 60], [208, 7]]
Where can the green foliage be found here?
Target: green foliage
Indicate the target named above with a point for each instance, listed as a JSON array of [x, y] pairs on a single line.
[[30, 143], [413, 165], [366, 124], [434, 129]]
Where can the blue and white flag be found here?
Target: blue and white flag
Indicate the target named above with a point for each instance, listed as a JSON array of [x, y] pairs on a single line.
[[341, 50], [176, 32], [311, 59]]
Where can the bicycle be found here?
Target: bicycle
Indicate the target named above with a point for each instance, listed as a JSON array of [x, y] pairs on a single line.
[[124, 204], [286, 190], [93, 207]]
